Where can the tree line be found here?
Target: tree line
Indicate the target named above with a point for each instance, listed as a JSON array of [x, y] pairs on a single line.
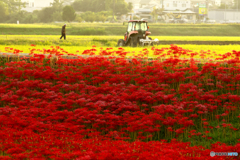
[[80, 10]]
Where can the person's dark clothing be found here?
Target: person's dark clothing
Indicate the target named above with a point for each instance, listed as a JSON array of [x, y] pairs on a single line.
[[63, 35], [64, 29], [63, 32]]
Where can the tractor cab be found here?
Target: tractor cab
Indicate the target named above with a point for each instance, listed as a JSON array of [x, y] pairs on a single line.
[[136, 31]]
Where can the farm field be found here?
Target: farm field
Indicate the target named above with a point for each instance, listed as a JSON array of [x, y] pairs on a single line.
[[112, 108], [90, 38], [111, 41], [212, 51], [119, 29], [171, 102]]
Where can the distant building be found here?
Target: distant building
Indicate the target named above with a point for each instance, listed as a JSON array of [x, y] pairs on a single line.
[[176, 5], [32, 5], [224, 15], [180, 7], [169, 5]]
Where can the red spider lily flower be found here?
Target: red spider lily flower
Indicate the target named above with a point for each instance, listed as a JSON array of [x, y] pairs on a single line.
[[217, 116], [224, 114], [224, 125], [100, 103], [200, 112], [211, 127], [234, 129], [194, 115], [198, 134], [192, 131], [170, 129], [205, 123]]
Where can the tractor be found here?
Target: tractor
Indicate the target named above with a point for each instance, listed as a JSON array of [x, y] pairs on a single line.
[[137, 34]]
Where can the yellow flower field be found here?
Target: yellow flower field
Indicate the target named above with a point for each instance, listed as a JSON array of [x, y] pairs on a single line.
[[197, 51]]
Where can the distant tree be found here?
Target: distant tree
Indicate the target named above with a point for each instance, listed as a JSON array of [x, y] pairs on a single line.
[[14, 5], [57, 5], [68, 14], [3, 11], [79, 18], [98, 5], [78, 6], [118, 7], [45, 15], [156, 12], [130, 6], [29, 18], [89, 16], [100, 17], [57, 16], [223, 6], [236, 4], [53, 13], [89, 5]]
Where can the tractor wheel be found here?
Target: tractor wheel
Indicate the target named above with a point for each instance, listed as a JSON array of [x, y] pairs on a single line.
[[121, 43], [133, 44]]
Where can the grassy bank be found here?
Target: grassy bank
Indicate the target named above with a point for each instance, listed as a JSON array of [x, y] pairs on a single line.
[[120, 29]]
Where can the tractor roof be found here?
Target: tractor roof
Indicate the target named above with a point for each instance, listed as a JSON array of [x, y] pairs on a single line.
[[136, 21]]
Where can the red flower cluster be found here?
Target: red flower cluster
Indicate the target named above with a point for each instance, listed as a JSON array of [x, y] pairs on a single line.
[[106, 108]]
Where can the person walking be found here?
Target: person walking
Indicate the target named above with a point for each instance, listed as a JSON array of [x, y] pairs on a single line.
[[63, 32]]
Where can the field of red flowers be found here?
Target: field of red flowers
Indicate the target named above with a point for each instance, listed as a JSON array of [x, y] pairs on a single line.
[[116, 108]]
